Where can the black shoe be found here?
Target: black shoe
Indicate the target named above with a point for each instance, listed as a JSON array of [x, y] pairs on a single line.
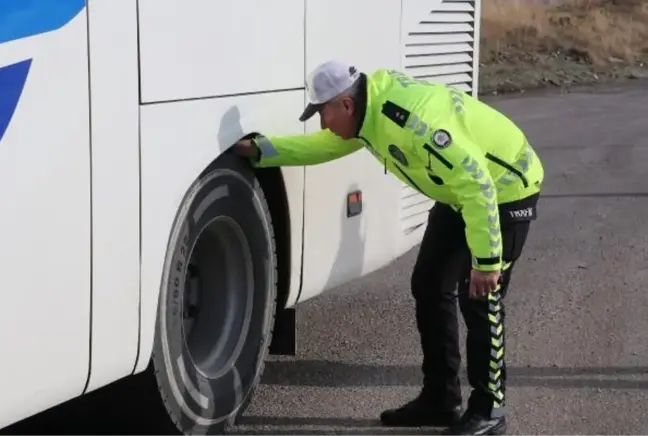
[[474, 423], [420, 413]]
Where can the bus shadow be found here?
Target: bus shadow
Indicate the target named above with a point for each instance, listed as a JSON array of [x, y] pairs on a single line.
[[322, 373], [273, 425], [115, 410]]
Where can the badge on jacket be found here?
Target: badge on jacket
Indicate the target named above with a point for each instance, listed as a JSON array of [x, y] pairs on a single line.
[[441, 138]]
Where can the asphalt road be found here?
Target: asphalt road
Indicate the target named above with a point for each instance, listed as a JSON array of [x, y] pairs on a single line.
[[577, 309]]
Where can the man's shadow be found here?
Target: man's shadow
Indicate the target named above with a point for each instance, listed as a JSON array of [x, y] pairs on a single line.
[[230, 129], [350, 257]]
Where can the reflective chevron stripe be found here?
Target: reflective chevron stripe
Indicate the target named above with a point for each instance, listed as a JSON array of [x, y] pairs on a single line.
[[496, 353]]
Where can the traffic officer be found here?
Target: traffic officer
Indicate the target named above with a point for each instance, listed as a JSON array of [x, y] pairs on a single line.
[[485, 179]]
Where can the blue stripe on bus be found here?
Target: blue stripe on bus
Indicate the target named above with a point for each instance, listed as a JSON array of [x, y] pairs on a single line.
[[12, 81], [21, 19], [24, 18]]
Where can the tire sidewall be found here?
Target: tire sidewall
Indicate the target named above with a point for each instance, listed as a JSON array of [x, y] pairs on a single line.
[[197, 403]]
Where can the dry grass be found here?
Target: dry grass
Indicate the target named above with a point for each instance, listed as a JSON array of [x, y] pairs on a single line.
[[596, 32]]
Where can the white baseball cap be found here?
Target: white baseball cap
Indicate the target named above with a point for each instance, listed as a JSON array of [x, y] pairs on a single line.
[[326, 82]]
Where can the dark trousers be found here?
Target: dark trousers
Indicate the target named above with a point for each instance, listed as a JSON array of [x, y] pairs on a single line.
[[443, 266]]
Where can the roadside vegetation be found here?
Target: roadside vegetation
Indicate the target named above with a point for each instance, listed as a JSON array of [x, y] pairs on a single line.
[[537, 43]]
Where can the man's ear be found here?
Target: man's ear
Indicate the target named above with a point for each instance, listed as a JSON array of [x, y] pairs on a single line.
[[349, 105]]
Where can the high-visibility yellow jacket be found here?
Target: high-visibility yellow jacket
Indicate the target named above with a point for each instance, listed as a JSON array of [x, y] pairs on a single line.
[[441, 141]]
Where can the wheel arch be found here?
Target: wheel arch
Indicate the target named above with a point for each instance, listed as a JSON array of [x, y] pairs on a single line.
[[273, 185]]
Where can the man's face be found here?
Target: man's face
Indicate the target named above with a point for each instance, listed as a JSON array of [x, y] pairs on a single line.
[[338, 116]]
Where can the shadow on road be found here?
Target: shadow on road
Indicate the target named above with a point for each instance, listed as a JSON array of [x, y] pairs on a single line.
[[320, 373], [310, 425], [115, 410], [340, 374]]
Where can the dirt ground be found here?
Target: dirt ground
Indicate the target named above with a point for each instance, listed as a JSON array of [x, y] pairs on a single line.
[[529, 44]]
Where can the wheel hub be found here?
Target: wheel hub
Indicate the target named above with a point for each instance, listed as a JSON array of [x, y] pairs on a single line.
[[217, 297]]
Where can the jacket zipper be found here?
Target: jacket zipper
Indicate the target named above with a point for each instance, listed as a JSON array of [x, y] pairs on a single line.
[[509, 167]]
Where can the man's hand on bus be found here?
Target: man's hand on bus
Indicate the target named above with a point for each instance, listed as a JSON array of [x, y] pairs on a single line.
[[483, 282], [246, 148]]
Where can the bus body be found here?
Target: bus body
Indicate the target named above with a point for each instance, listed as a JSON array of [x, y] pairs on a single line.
[[110, 110]]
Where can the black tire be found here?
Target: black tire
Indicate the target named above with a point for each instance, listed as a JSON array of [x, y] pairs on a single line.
[[209, 352]]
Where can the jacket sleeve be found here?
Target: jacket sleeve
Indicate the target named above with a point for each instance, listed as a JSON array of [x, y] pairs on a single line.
[[298, 150], [465, 173]]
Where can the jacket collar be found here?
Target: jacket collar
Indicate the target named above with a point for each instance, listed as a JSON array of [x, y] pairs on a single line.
[[365, 127]]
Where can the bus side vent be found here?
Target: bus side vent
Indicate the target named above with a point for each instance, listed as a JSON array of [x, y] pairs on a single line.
[[440, 48], [414, 209]]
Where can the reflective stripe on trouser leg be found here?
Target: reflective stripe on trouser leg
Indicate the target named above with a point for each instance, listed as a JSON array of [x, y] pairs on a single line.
[[497, 350]]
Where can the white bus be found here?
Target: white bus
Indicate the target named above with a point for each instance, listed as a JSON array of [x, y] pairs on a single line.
[[130, 241]]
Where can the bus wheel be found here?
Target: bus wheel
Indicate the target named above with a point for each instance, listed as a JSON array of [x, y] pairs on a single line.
[[217, 300]]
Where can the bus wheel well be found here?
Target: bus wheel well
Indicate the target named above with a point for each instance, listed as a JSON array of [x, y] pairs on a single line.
[[272, 183], [274, 188]]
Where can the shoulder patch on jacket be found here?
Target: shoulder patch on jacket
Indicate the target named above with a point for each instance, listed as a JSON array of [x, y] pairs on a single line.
[[395, 113], [441, 138]]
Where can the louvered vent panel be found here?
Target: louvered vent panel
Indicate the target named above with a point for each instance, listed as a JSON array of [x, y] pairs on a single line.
[[439, 49], [442, 42], [414, 208]]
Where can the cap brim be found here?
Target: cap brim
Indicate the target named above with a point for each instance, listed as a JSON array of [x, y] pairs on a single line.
[[310, 110]]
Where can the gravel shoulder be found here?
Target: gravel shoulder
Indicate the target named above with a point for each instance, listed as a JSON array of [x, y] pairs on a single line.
[[527, 44]]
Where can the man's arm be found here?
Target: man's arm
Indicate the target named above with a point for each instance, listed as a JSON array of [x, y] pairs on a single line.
[[466, 174], [478, 199], [297, 150]]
